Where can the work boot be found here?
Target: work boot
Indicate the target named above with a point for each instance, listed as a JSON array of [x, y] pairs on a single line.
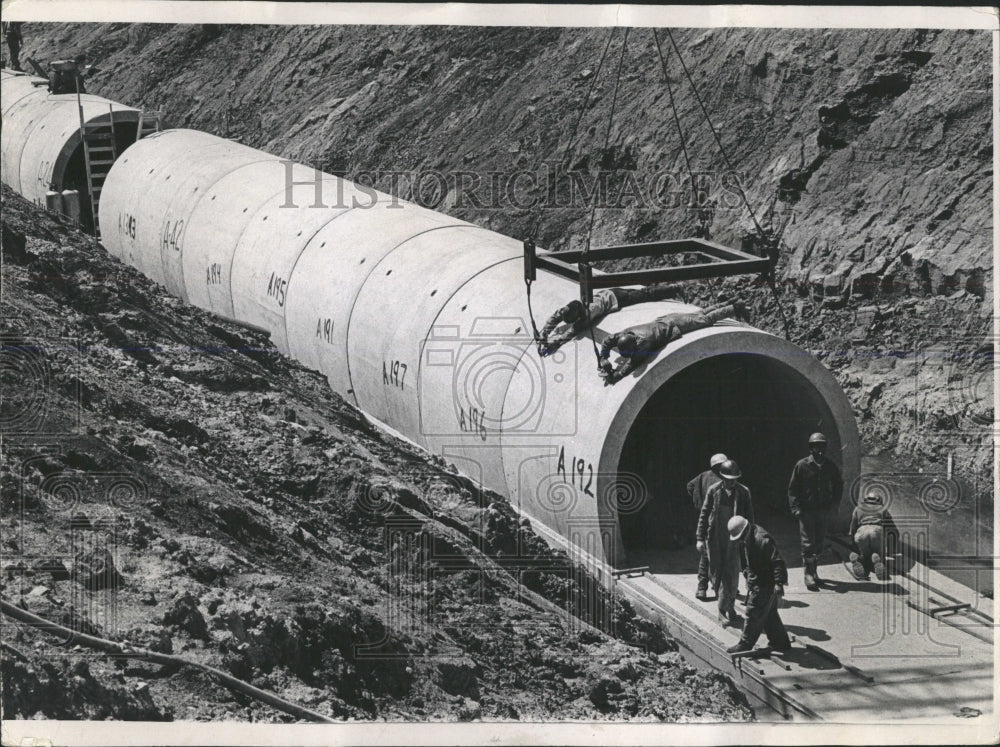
[[740, 311], [702, 594], [739, 648], [810, 575], [881, 572], [858, 568]]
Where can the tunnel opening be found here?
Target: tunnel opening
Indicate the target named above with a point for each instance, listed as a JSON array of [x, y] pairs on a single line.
[[756, 409], [74, 174]]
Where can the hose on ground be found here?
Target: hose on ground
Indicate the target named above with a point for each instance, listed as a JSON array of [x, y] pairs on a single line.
[[124, 649]]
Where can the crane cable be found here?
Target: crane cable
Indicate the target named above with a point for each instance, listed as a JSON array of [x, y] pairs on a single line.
[[760, 231], [673, 108], [593, 207], [715, 134], [566, 150]]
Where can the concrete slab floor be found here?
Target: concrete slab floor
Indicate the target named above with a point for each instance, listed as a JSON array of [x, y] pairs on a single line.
[[862, 654]]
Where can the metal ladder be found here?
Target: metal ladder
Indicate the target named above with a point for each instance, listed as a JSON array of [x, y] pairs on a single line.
[[100, 152], [149, 122]]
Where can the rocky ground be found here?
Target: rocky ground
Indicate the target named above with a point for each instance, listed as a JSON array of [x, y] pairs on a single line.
[[263, 500], [171, 481]]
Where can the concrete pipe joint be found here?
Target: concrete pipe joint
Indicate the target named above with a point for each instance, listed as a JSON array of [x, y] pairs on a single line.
[[42, 147], [420, 319]]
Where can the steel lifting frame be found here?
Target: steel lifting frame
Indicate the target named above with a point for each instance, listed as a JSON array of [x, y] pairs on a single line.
[[575, 264]]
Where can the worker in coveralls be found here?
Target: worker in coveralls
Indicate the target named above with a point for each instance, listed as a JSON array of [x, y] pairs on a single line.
[[12, 34], [868, 524], [637, 344], [605, 301], [766, 577], [724, 500], [814, 489], [698, 489]]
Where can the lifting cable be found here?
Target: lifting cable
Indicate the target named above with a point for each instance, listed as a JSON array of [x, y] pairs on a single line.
[[593, 207], [566, 152], [718, 141], [673, 108], [121, 648]]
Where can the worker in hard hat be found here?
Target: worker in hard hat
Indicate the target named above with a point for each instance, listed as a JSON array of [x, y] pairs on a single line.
[[725, 499], [868, 524], [64, 77], [637, 344], [814, 489], [574, 318], [766, 575], [698, 488], [12, 35]]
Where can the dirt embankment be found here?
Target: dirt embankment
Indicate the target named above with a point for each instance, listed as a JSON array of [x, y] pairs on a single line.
[[871, 148], [171, 480]]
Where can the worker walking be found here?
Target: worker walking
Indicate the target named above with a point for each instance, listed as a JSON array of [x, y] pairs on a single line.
[[725, 499], [868, 524], [698, 489], [637, 344], [12, 34], [605, 301], [766, 576], [814, 489]]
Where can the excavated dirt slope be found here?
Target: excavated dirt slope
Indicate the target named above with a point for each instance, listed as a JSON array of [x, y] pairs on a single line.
[[872, 147], [189, 490]]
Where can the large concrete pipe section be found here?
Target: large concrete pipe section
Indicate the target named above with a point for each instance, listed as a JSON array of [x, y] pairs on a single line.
[[421, 320], [42, 146]]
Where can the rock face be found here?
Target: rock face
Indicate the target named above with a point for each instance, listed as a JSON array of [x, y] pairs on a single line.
[[873, 145]]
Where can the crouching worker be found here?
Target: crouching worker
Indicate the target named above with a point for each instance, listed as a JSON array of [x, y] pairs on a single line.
[[868, 524], [637, 344], [573, 318], [766, 577]]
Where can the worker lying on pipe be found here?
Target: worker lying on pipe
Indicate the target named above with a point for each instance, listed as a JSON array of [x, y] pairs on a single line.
[[605, 301], [637, 344]]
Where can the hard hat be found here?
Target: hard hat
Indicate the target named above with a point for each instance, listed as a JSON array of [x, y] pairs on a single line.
[[717, 459], [817, 438], [627, 343], [737, 527], [730, 469]]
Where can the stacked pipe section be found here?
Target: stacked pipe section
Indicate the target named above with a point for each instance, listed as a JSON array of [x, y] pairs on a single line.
[[41, 134], [419, 319]]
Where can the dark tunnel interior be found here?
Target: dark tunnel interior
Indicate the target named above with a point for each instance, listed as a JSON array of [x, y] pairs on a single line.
[[74, 175], [755, 409]]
